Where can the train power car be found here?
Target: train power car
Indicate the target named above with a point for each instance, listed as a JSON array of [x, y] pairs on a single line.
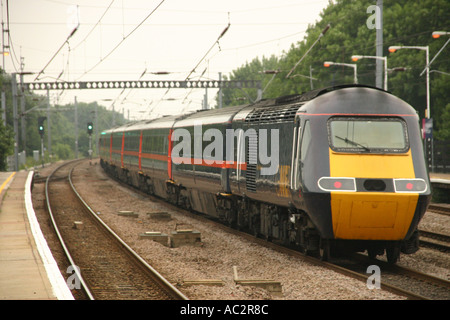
[[334, 169]]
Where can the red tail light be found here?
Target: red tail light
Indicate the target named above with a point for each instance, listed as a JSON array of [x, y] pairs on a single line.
[[410, 185], [337, 184]]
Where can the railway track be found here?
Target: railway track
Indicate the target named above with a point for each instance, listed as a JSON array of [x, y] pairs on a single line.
[[434, 240], [415, 284], [103, 266], [399, 280], [439, 208], [396, 279]]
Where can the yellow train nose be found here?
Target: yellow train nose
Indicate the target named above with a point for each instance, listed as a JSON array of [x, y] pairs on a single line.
[[383, 215], [372, 216]]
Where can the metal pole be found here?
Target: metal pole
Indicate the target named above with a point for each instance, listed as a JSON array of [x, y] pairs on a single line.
[[428, 83], [220, 91], [379, 43], [205, 102], [428, 103], [90, 147], [76, 128], [23, 122], [16, 121], [113, 116], [4, 107], [49, 145], [3, 42], [42, 150], [96, 127], [385, 74]]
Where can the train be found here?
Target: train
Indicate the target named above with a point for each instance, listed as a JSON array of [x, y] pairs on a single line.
[[333, 170]]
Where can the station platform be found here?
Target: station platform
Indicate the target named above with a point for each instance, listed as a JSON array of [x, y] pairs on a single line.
[[28, 270], [440, 177]]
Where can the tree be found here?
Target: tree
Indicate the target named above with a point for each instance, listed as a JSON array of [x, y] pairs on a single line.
[[443, 123], [62, 122], [6, 145], [405, 22]]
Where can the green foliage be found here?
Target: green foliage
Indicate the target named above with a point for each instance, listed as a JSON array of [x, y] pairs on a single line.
[[405, 22], [63, 151], [443, 123], [6, 144]]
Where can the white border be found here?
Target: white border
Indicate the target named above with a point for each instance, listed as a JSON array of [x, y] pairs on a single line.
[[414, 191], [338, 190], [59, 285]]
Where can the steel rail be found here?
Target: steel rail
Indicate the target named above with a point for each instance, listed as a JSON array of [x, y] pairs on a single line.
[[437, 208], [171, 289], [84, 285], [280, 248]]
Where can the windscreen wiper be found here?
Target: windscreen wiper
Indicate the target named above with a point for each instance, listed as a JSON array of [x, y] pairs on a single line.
[[353, 143]]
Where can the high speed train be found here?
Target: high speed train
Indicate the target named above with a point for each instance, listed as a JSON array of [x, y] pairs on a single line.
[[331, 170]]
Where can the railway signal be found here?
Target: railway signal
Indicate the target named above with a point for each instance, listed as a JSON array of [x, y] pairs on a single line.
[[41, 125], [90, 128], [41, 132]]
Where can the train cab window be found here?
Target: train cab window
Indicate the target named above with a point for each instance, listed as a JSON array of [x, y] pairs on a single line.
[[370, 135]]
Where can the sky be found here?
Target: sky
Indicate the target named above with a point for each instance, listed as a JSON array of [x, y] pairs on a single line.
[[136, 39]]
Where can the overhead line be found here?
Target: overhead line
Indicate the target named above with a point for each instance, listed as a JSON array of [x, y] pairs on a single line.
[[124, 38], [56, 53], [95, 25], [216, 42]]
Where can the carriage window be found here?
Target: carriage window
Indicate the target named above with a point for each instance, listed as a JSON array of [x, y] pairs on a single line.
[[368, 135]]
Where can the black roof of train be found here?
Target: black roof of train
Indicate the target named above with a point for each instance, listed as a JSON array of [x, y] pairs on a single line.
[[355, 99], [286, 107]]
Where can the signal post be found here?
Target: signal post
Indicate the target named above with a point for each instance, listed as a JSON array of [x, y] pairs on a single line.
[[41, 133], [90, 128]]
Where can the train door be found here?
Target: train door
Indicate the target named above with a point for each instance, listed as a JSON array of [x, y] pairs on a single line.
[[240, 157], [121, 150], [300, 145], [140, 150], [169, 154], [296, 138]]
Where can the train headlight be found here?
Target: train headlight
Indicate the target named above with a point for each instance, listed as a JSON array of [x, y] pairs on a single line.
[[410, 185], [337, 184]]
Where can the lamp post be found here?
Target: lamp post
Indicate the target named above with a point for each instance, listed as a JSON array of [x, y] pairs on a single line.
[[436, 35], [357, 57], [327, 64], [429, 149], [426, 49]]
